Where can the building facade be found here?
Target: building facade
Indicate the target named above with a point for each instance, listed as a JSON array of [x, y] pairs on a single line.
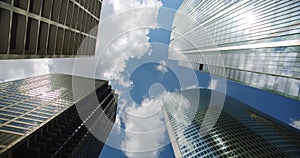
[[252, 42], [48, 116], [239, 131], [48, 28]]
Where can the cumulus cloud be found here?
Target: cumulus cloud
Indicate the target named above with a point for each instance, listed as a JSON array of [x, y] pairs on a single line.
[[145, 125], [18, 69], [144, 135], [124, 36], [120, 5], [296, 124], [162, 67]]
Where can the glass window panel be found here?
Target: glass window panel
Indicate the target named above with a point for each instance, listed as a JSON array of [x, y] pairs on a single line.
[[4, 103], [270, 82], [232, 73], [2, 121], [13, 129], [28, 121], [262, 80], [281, 84], [242, 76], [22, 107], [237, 75], [27, 105], [45, 111], [35, 117], [247, 77], [21, 124], [17, 110], [40, 114], [254, 79], [294, 88], [6, 117], [10, 113]]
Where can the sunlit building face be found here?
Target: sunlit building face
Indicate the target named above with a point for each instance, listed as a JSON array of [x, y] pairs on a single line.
[[240, 131], [252, 42]]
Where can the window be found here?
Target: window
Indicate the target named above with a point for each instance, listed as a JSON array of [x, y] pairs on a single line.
[[20, 124], [28, 121], [13, 129]]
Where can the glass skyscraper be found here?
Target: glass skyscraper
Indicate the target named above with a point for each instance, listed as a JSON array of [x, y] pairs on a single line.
[[48, 28], [239, 131], [254, 42], [54, 115]]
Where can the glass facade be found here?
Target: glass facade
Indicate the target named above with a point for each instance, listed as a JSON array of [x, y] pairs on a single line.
[[48, 28], [252, 42], [43, 109], [240, 131]]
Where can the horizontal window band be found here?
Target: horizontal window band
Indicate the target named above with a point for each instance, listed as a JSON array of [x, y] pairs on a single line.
[[248, 46]]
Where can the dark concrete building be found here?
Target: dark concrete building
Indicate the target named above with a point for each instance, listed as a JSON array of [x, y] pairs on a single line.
[[54, 116], [237, 130], [48, 28]]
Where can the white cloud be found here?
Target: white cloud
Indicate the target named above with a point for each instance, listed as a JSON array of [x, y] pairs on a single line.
[[162, 67], [18, 69], [144, 135], [124, 36], [120, 5], [163, 62], [145, 126], [213, 84], [192, 86], [296, 124]]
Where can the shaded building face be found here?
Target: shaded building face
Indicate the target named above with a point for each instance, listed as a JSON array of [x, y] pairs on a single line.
[[51, 116], [239, 130], [252, 42], [48, 28]]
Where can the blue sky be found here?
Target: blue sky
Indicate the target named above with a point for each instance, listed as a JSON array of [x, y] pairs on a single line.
[[136, 63], [146, 74], [143, 73]]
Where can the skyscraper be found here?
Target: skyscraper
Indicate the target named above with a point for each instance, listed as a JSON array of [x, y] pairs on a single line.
[[239, 130], [252, 42], [54, 116], [48, 28]]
